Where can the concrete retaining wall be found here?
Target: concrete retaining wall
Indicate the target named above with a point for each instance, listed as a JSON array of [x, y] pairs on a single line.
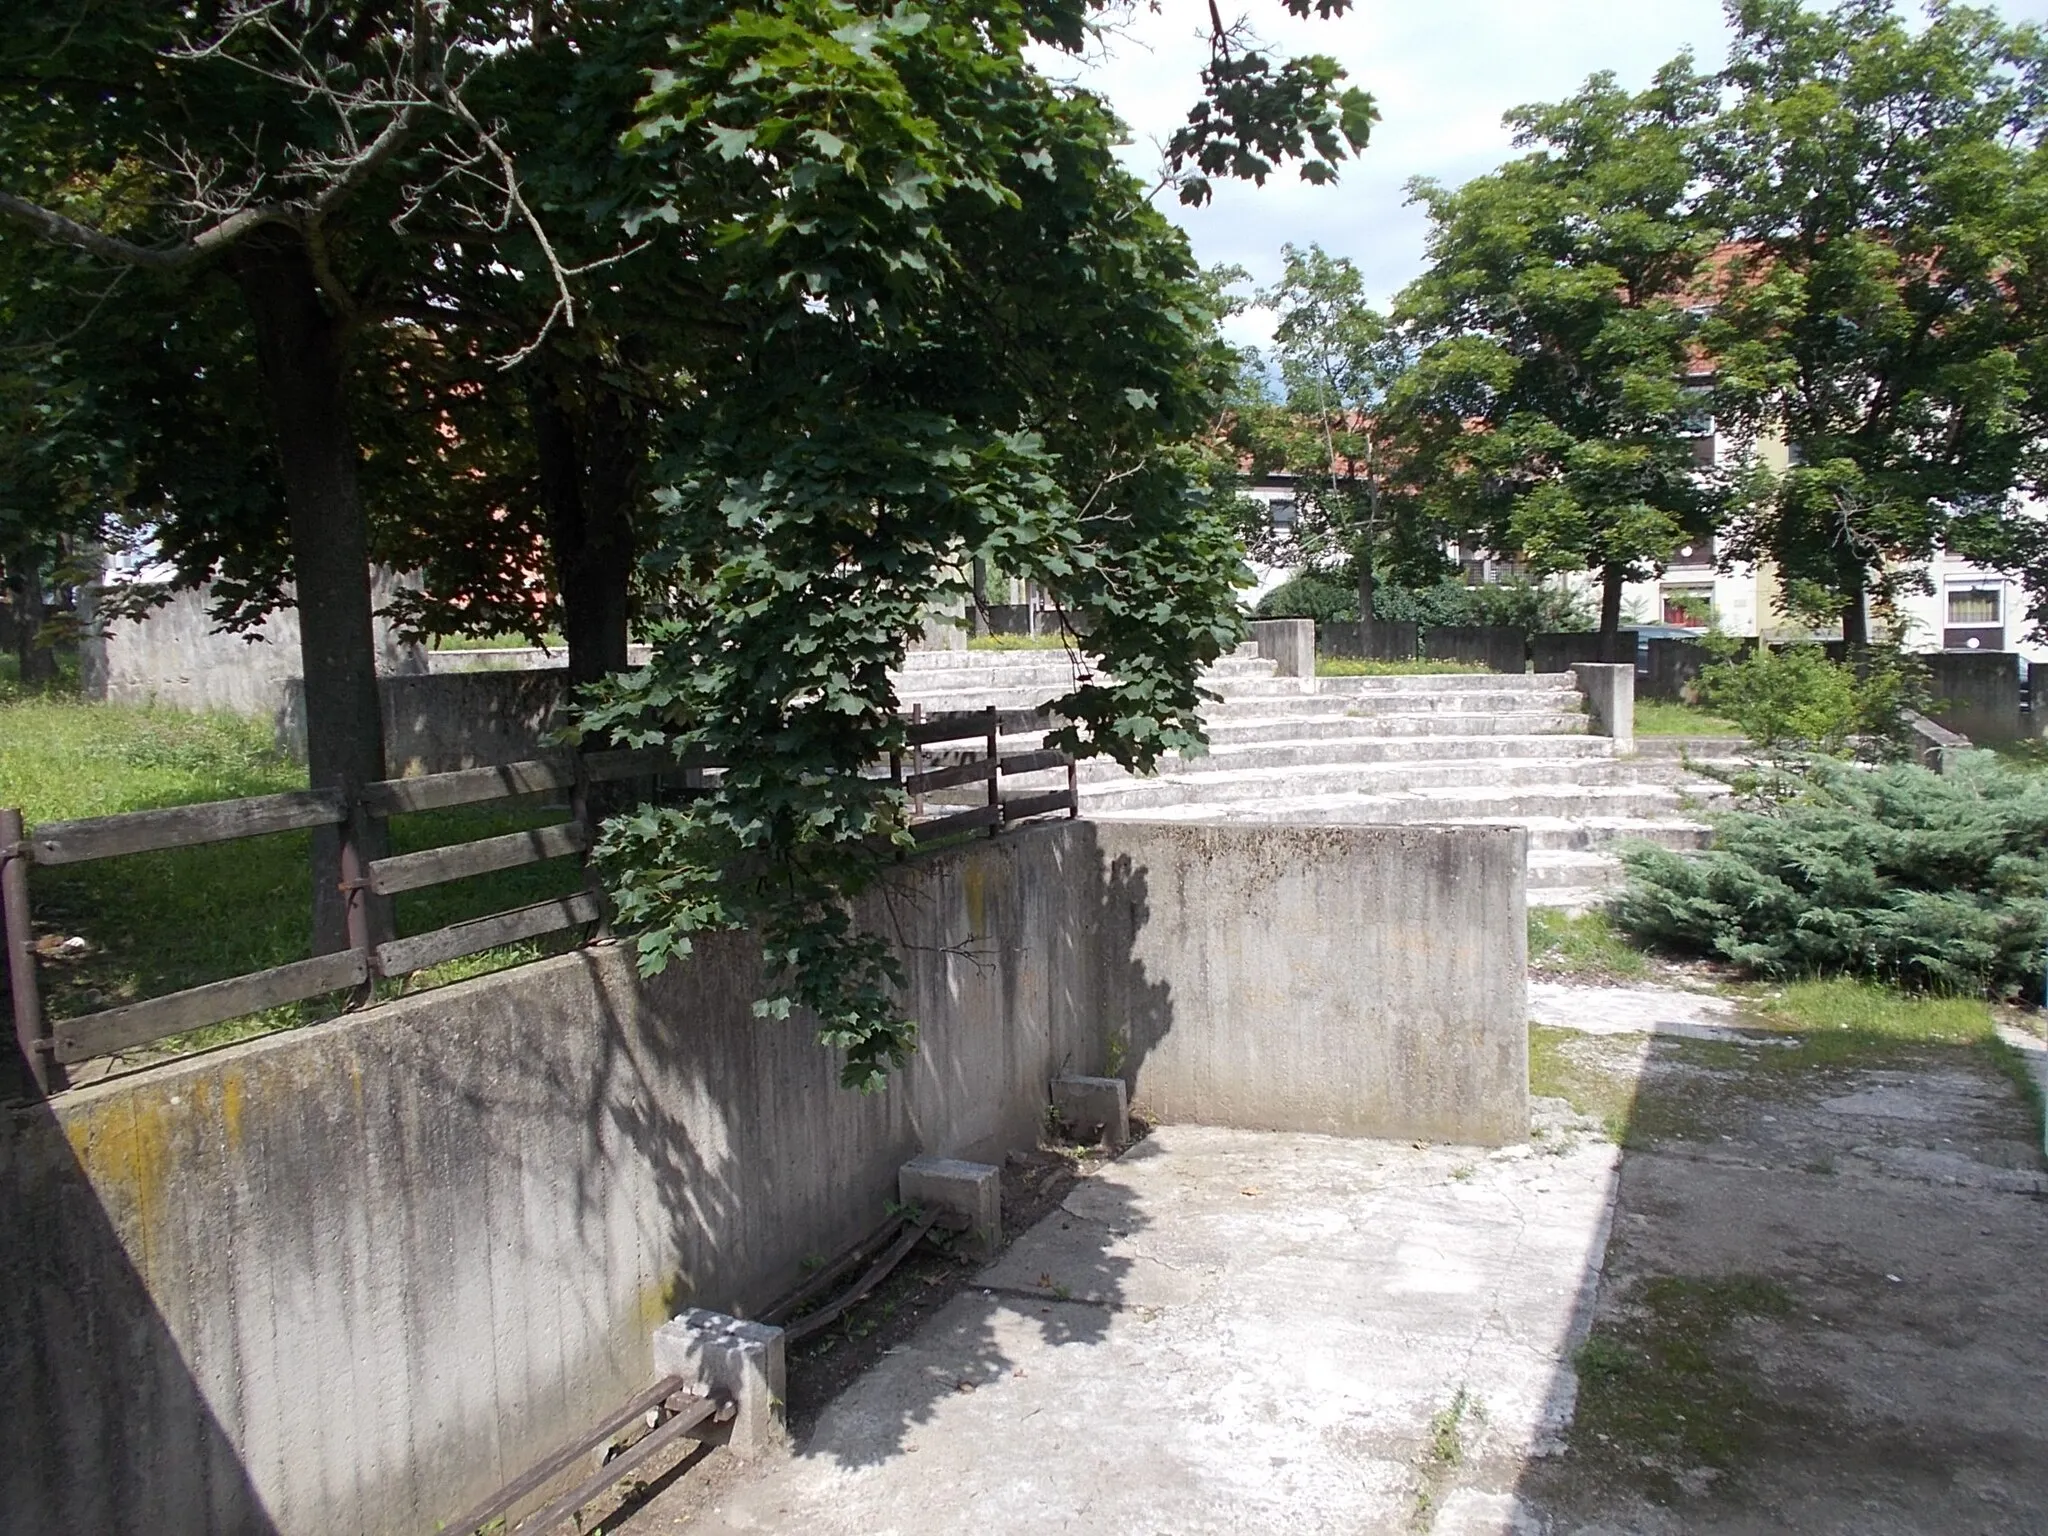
[[177, 657], [1315, 979], [438, 722], [1382, 640], [351, 1278], [1978, 694], [1560, 650], [1290, 642], [1497, 647]]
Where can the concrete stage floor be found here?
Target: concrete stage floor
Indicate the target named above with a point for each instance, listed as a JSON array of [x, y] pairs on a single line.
[[1231, 1331]]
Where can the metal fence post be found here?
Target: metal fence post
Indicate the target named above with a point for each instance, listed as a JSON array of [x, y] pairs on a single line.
[[31, 1029]]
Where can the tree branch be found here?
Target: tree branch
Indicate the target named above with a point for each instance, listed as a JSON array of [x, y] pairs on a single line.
[[58, 230]]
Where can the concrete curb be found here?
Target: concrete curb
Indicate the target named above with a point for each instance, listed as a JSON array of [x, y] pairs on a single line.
[[2034, 1052]]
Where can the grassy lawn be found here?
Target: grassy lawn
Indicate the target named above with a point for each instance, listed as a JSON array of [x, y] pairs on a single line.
[[552, 642], [1017, 643], [1348, 666], [1581, 944], [157, 922], [1662, 717]]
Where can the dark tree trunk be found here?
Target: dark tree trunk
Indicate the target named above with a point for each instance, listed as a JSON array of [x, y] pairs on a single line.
[[36, 660], [301, 352], [1365, 587], [589, 458], [1611, 581]]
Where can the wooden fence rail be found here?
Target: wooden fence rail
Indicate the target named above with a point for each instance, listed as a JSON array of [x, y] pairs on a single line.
[[47, 1046]]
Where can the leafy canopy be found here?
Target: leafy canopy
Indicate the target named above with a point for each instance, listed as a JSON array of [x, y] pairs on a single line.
[[1549, 402], [1881, 306], [964, 334]]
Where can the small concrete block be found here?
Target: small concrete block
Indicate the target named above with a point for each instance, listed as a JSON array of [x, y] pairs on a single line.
[[1097, 1107], [728, 1355], [974, 1190]]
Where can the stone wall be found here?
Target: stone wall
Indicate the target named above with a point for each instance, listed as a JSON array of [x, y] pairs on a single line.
[[353, 1277]]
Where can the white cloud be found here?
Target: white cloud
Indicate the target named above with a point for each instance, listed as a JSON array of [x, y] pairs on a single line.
[[1443, 74]]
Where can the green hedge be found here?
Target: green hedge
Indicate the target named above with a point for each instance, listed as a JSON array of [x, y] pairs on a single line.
[[1896, 873]]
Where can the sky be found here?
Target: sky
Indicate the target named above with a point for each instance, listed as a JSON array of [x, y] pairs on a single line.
[[1443, 72]]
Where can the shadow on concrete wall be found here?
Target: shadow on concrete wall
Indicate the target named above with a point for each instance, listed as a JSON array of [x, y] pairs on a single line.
[[1115, 1014], [95, 1371]]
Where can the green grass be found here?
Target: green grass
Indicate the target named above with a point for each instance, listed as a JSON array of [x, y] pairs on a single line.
[[1582, 944], [2027, 756], [1867, 1013], [1350, 666], [1563, 1065], [1662, 717], [1017, 643], [553, 642], [159, 922]]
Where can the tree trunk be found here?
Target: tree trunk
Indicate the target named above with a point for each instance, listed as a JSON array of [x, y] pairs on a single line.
[[589, 458], [1611, 579], [301, 353], [1855, 614], [1365, 587], [36, 660]]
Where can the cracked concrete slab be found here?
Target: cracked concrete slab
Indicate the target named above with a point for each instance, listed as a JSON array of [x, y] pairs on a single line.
[[1224, 1331]]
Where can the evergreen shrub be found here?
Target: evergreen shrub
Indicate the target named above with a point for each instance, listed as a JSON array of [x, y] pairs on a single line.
[[1927, 881], [1331, 597]]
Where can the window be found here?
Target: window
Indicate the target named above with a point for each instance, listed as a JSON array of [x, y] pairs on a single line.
[[1283, 513], [1975, 605], [1689, 607], [1697, 552]]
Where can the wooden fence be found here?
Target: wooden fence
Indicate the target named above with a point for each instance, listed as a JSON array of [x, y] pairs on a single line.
[[48, 1046]]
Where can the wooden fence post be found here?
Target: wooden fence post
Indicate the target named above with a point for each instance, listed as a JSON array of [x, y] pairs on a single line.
[[583, 810], [356, 895], [917, 761], [31, 1029], [995, 776]]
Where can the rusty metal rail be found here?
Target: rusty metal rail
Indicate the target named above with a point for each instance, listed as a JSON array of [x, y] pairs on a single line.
[[46, 1047]]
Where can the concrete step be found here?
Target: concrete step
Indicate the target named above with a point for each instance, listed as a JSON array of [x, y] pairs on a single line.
[[1450, 723], [1452, 682], [1431, 804], [1569, 898], [1238, 706], [922, 664], [1552, 869], [1230, 786], [1302, 756], [1445, 730], [1602, 834]]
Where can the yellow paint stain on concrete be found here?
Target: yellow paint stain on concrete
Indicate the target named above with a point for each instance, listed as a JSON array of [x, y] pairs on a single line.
[[233, 1090], [125, 1148], [662, 1300], [974, 885]]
